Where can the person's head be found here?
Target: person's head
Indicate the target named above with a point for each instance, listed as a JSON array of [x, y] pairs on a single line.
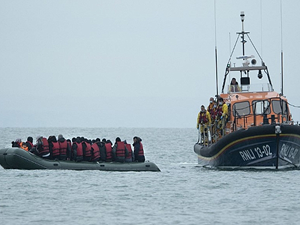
[[24, 144], [54, 138], [202, 108], [233, 81], [221, 101], [30, 139], [211, 100], [136, 139], [39, 137], [118, 139], [60, 136]]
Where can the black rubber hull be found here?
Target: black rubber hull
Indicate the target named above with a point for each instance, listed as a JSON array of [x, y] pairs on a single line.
[[16, 158], [258, 147]]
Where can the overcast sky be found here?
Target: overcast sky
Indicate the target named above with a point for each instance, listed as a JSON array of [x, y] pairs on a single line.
[[98, 63]]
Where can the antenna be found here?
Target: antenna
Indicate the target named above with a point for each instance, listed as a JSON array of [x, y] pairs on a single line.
[[229, 42], [281, 47], [216, 53], [261, 29]]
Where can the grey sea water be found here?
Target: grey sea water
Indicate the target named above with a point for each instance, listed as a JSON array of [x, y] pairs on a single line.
[[182, 193]]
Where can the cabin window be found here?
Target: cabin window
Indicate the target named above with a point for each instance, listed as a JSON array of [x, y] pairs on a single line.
[[241, 109], [279, 107], [261, 107]]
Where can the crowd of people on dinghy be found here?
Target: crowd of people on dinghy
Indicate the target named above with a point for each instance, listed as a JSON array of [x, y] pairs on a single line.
[[82, 149]]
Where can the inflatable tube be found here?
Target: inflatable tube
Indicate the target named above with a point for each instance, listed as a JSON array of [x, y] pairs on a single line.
[[16, 158]]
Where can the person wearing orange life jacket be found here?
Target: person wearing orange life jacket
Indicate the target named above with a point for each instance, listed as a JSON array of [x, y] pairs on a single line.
[[139, 155], [119, 151], [42, 147], [23, 146], [29, 143], [130, 156], [77, 151], [69, 153], [64, 147], [102, 149], [108, 150], [53, 147], [95, 150], [87, 150]]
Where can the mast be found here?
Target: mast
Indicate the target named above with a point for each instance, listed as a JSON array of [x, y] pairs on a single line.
[[243, 32], [246, 67], [281, 49]]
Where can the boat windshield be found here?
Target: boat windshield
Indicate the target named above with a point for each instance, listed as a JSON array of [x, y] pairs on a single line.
[[280, 107], [252, 88], [261, 107], [241, 109]]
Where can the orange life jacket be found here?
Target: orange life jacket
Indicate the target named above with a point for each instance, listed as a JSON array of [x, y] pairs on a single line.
[[129, 156], [79, 149], [141, 152], [63, 147], [45, 147], [108, 149], [55, 149], [120, 152], [88, 150], [23, 146], [96, 152]]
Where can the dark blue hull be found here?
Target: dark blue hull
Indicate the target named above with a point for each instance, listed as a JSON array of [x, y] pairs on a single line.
[[257, 147]]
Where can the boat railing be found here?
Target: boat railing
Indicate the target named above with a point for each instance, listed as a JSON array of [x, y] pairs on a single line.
[[241, 118], [209, 134], [244, 122], [263, 87]]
